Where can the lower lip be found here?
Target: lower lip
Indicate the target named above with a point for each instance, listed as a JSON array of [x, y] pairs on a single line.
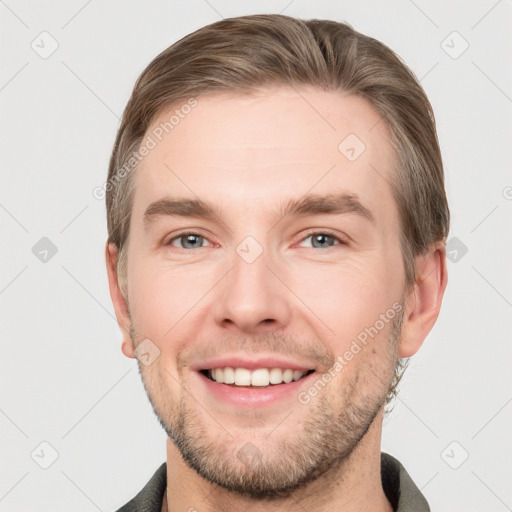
[[255, 396]]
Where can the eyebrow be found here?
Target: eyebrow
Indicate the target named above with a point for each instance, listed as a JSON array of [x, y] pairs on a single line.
[[334, 204], [312, 204]]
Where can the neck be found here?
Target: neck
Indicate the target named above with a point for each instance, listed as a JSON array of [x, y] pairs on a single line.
[[354, 485]]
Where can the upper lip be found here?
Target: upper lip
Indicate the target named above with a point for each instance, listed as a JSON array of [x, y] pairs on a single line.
[[252, 363]]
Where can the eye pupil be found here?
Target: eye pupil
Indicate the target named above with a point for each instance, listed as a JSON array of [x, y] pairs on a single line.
[[192, 240], [322, 240]]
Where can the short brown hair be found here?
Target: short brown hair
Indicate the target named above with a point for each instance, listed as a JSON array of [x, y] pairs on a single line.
[[249, 52]]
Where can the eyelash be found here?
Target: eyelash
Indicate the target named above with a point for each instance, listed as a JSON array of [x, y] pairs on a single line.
[[341, 240]]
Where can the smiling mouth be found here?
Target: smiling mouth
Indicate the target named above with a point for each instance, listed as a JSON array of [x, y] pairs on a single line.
[[257, 378]]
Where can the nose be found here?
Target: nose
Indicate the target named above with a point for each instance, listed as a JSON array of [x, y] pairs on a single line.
[[251, 298]]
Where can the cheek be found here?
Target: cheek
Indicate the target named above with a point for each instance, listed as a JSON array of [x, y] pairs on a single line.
[[163, 298], [162, 308], [347, 298]]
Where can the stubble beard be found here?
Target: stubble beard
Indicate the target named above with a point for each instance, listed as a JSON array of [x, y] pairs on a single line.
[[324, 441]]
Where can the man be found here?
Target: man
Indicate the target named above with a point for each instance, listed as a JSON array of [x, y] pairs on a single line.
[[277, 223]]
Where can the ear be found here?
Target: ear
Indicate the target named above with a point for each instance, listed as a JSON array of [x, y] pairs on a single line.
[[118, 300], [423, 303]]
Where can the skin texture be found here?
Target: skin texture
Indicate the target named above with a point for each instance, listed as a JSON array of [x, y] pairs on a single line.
[[303, 298]]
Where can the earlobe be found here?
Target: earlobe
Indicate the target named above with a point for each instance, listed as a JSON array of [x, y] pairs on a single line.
[[423, 304], [118, 300], [127, 347]]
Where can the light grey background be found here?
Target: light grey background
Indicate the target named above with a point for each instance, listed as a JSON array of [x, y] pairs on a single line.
[[64, 380]]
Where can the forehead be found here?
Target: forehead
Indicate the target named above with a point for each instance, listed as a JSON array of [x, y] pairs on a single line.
[[237, 151]]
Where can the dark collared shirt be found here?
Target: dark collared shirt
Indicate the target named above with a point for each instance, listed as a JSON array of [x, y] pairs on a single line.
[[400, 490]]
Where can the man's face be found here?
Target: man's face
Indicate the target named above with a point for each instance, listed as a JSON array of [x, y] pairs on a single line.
[[250, 288]]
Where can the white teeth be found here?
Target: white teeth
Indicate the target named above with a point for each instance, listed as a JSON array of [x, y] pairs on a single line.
[[242, 377], [260, 377], [229, 375], [297, 374], [276, 376], [288, 376]]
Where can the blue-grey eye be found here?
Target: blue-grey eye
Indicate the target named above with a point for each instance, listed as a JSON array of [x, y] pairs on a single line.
[[322, 240], [189, 241]]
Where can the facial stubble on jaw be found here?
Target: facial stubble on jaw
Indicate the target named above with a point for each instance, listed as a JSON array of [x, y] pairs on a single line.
[[323, 444]]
